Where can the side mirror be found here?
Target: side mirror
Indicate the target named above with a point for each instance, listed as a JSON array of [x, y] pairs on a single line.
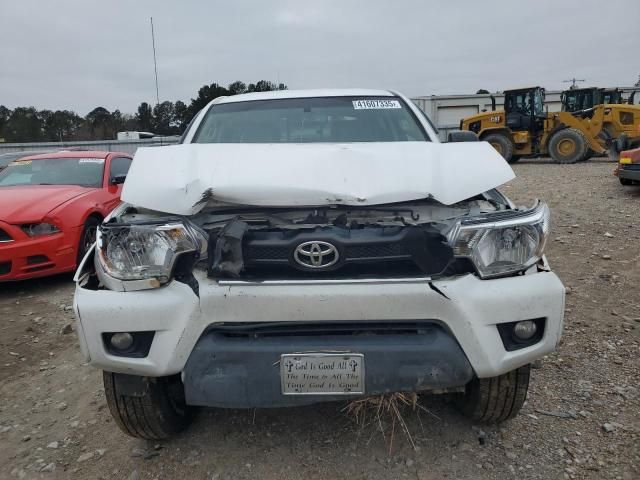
[[455, 136], [117, 180]]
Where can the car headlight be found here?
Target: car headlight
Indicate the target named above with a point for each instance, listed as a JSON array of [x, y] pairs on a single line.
[[146, 251], [504, 242], [39, 229]]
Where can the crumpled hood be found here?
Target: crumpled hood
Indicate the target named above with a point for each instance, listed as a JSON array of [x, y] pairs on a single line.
[[183, 179], [30, 203]]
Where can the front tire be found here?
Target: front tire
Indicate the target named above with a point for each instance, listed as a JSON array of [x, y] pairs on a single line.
[[87, 237], [503, 145], [495, 399], [568, 146], [156, 414]]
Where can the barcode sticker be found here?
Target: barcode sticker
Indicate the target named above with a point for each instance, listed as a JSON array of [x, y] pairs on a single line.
[[375, 104]]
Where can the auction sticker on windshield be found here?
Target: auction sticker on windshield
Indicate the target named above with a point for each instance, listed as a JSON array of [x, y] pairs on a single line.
[[91, 160], [322, 373], [375, 104]]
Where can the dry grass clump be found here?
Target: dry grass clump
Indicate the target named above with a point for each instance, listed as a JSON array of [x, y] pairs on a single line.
[[387, 414]]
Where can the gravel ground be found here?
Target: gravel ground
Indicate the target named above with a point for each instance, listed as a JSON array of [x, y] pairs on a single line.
[[581, 420]]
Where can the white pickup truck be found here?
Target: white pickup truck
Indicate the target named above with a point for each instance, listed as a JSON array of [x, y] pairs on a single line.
[[309, 246]]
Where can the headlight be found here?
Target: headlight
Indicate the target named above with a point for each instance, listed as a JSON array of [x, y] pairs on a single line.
[[503, 242], [146, 251], [38, 229]]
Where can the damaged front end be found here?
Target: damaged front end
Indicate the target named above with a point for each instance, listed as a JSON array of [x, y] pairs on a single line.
[[141, 249]]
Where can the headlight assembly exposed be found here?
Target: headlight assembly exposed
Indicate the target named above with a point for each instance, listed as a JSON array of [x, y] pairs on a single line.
[[146, 251], [504, 242]]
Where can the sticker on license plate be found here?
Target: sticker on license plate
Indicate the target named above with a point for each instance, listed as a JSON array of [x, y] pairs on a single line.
[[322, 374], [375, 104]]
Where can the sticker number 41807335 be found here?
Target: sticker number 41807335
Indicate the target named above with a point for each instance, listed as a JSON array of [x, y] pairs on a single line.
[[375, 104]]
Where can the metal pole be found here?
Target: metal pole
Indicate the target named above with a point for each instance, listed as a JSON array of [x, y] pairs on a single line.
[[155, 65]]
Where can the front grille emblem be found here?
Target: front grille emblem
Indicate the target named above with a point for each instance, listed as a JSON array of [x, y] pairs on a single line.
[[316, 254]]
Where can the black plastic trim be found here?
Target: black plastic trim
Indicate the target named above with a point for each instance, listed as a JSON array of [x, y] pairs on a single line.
[[238, 366], [5, 268]]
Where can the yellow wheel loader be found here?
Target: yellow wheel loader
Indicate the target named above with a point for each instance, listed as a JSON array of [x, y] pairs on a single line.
[[525, 128], [576, 99]]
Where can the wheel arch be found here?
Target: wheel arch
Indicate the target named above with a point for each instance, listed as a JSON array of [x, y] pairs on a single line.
[[80, 233], [93, 213], [96, 214]]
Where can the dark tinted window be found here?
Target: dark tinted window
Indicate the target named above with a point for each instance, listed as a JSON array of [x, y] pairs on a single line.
[[311, 120], [119, 166]]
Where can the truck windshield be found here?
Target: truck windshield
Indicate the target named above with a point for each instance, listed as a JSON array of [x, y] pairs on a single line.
[[311, 120], [85, 172]]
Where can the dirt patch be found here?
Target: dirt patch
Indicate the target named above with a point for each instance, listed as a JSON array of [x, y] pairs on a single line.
[[581, 419]]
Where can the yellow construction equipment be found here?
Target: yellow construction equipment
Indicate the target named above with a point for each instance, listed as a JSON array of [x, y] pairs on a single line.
[[526, 128]]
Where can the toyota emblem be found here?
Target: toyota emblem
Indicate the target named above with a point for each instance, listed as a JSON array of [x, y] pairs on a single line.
[[316, 254]]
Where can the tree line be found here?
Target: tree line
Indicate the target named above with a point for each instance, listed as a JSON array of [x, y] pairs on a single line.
[[27, 124]]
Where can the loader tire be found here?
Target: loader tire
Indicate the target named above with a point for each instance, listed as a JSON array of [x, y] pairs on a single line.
[[158, 413], [590, 153], [502, 143], [495, 399], [568, 146]]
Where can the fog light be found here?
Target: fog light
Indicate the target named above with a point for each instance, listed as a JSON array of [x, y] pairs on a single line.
[[121, 341], [525, 330]]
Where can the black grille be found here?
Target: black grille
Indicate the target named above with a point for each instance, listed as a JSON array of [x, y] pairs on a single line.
[[371, 251], [5, 267], [382, 250], [4, 236], [287, 329], [475, 126], [261, 252], [36, 259]]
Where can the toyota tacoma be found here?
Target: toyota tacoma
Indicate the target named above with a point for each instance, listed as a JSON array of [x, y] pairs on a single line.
[[306, 246]]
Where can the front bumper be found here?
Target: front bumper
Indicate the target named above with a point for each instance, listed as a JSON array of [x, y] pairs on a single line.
[[29, 257], [629, 172], [467, 307], [236, 368]]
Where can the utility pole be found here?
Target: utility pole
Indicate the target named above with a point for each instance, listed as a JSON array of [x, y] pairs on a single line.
[[573, 81], [155, 65]]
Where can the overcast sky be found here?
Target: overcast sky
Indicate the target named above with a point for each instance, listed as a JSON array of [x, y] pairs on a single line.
[[79, 54]]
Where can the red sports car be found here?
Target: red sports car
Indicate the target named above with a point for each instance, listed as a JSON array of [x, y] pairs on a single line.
[[50, 207]]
